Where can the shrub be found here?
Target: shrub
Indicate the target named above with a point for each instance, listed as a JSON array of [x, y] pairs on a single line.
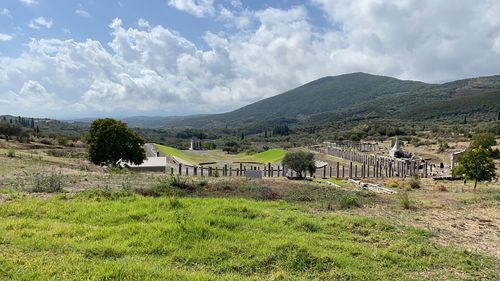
[[393, 184], [47, 183], [201, 182], [443, 146], [348, 200], [441, 187], [11, 153], [215, 174], [179, 182], [62, 140], [46, 141], [404, 201], [415, 181], [163, 186]]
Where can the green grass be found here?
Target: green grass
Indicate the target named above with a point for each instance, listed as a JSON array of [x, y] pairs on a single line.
[[106, 235], [271, 155], [194, 157], [170, 151]]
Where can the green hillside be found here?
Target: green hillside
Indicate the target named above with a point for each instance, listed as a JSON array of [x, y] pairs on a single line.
[[364, 96]]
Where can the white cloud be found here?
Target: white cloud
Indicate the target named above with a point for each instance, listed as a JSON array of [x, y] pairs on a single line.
[[5, 37], [29, 3], [197, 8], [39, 22], [415, 39], [142, 23], [153, 70], [82, 13], [6, 13]]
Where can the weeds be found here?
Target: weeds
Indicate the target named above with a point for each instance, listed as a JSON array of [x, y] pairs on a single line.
[[201, 183], [348, 200], [404, 201], [47, 183], [393, 184], [415, 182], [442, 188], [179, 182]]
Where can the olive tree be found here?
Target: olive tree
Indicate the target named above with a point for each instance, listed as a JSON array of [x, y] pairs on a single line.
[[111, 140], [300, 162], [477, 162]]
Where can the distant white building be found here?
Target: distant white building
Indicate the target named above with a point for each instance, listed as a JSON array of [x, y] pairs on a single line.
[[151, 164], [396, 150], [454, 156], [195, 144]]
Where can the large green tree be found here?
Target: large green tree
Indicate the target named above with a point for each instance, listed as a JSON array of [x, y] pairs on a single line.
[[300, 162], [477, 162], [111, 140]]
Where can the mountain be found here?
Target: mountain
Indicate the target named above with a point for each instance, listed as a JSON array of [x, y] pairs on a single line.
[[361, 96]]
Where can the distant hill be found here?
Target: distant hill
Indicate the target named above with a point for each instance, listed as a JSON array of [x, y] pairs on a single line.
[[360, 96]]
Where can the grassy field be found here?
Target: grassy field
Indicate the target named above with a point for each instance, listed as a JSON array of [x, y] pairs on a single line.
[[106, 235], [112, 224], [270, 156], [170, 151], [195, 157]]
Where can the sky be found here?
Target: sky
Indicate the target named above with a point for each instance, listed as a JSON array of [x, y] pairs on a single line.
[[95, 58]]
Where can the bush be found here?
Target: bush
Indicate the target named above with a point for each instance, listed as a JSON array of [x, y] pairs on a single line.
[[393, 184], [215, 173], [62, 140], [441, 187], [404, 201], [348, 200], [46, 141], [47, 183], [415, 181], [443, 146], [201, 182], [11, 153], [179, 182]]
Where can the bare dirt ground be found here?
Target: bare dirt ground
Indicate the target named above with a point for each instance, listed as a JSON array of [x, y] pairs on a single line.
[[469, 220]]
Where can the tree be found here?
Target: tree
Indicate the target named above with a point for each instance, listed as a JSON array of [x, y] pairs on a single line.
[[484, 140], [110, 140], [300, 162], [231, 147], [476, 164]]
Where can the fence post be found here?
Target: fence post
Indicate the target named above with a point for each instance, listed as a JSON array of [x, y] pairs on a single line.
[[195, 170], [337, 170], [324, 172], [201, 168], [180, 169], [171, 170], [350, 170]]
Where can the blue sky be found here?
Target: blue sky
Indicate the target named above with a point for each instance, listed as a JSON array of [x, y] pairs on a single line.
[[68, 58]]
